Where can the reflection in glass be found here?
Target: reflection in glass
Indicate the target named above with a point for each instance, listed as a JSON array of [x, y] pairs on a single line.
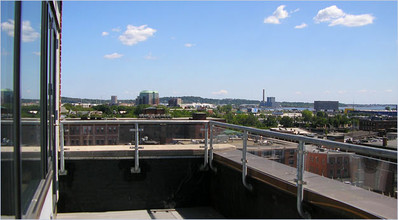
[[30, 100], [7, 96]]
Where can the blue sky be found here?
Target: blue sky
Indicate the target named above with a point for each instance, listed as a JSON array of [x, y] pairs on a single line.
[[296, 51]]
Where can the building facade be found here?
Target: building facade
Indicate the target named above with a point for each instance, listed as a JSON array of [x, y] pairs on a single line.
[[326, 106], [148, 97], [377, 125], [113, 100], [175, 102], [29, 139]]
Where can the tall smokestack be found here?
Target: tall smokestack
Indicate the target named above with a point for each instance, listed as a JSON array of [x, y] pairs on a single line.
[[263, 95]]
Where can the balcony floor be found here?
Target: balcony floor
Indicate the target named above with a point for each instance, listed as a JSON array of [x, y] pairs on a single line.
[[180, 213]]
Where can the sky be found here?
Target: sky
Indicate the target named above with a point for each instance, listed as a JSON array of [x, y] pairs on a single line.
[[297, 51]]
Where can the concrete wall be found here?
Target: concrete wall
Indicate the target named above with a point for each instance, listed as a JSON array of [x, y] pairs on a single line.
[[105, 185]]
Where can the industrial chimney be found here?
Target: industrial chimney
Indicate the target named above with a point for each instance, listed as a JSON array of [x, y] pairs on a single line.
[[263, 95]]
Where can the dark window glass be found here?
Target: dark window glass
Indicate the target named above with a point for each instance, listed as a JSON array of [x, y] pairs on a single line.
[[339, 160], [30, 101], [7, 96]]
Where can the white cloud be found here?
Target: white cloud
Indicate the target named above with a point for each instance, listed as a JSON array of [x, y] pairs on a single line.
[[298, 93], [113, 56], [135, 34], [150, 57], [294, 11], [28, 33], [327, 92], [279, 14], [363, 91], [221, 92], [36, 53], [105, 33], [8, 27], [189, 45], [388, 90], [301, 26], [341, 92], [328, 14], [353, 20], [116, 29], [335, 16]]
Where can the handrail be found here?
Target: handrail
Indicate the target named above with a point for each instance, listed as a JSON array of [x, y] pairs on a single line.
[[133, 121], [300, 155], [391, 154]]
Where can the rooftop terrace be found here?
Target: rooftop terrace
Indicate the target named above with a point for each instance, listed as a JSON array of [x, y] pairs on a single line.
[[217, 177]]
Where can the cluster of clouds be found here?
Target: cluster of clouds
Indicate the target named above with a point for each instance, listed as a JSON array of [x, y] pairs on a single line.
[[134, 35], [131, 36], [332, 15], [28, 33]]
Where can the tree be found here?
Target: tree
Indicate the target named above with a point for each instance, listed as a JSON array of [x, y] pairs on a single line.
[[104, 108], [140, 109], [226, 108], [307, 115], [270, 121], [286, 121]]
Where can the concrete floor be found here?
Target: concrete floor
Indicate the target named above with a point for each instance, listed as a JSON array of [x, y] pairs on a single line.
[[181, 213]]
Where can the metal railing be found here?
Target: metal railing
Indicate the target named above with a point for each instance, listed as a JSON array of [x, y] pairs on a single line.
[[301, 140], [136, 130], [209, 127]]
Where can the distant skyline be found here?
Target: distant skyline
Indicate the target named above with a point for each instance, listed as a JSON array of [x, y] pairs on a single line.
[[297, 51]]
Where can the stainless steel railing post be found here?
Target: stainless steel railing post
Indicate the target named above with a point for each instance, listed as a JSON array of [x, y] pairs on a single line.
[[206, 147], [211, 149], [62, 170], [136, 168], [300, 182], [244, 162]]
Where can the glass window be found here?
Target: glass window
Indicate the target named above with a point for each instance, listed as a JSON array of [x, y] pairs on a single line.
[[339, 159], [7, 102], [30, 101]]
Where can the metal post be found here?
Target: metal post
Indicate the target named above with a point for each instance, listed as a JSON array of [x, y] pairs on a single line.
[[211, 149], [136, 168], [244, 162], [206, 150], [300, 182], [62, 171]]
